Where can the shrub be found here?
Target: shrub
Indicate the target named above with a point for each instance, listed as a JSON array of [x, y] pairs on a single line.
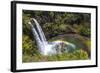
[[85, 31]]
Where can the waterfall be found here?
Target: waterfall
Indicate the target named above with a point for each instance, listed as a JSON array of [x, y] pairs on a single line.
[[45, 47], [39, 29], [38, 34]]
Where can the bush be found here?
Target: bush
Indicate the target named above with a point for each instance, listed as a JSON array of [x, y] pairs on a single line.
[[76, 55], [29, 47], [85, 31], [81, 54]]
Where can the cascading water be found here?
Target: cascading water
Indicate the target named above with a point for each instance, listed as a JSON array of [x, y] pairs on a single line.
[[45, 47]]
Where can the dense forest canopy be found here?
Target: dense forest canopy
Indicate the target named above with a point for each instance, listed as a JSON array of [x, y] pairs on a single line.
[[55, 24], [61, 22]]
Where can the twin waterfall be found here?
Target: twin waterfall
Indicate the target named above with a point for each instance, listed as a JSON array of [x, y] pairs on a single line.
[[45, 47]]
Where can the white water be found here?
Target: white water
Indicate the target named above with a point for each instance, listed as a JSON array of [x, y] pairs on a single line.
[[45, 47]]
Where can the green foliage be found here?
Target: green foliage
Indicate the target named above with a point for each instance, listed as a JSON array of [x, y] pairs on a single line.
[[76, 55], [55, 24], [85, 31], [29, 47], [27, 58], [80, 54]]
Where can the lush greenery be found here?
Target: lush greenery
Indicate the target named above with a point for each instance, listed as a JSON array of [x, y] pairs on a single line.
[[67, 26], [76, 55]]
